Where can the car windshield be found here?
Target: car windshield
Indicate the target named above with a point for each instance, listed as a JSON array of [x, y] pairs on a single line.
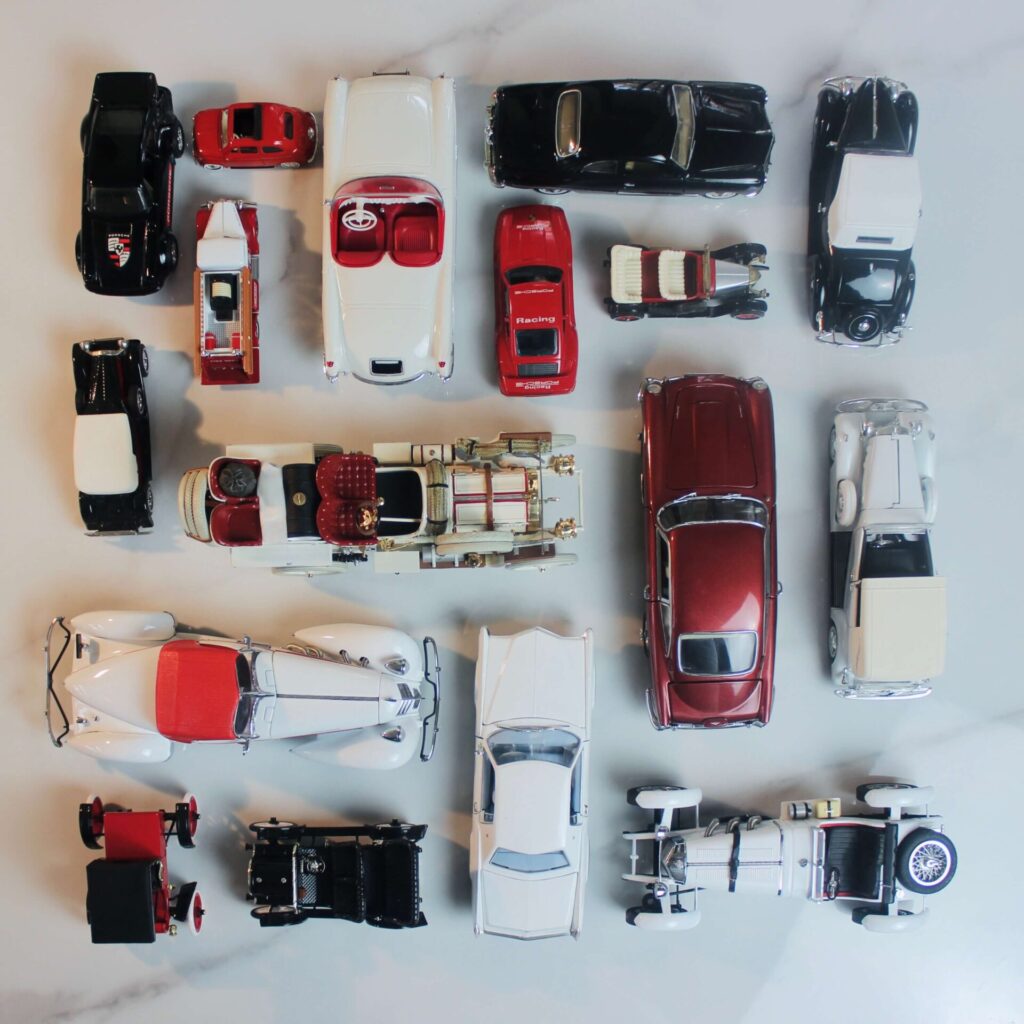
[[687, 511], [557, 746], [567, 123], [529, 863], [531, 275], [867, 281], [891, 555], [120, 123], [116, 151], [717, 654], [119, 202], [682, 146], [537, 342]]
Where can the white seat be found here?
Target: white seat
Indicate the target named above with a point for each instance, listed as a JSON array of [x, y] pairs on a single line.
[[672, 274], [627, 274]]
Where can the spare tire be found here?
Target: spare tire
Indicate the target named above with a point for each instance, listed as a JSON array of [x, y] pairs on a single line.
[[925, 861]]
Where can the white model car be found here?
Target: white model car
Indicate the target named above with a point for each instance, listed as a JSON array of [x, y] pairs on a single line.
[[351, 695], [528, 852], [389, 228], [307, 509], [884, 863], [887, 628]]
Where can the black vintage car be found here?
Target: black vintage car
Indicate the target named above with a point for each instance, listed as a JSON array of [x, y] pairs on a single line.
[[112, 456], [130, 139], [865, 203], [363, 873], [631, 135]]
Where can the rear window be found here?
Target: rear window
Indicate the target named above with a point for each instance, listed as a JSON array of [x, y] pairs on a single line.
[[118, 202], [289, 126], [891, 555], [531, 275], [529, 863], [537, 342], [717, 654]]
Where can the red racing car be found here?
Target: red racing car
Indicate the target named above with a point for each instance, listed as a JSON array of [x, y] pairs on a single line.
[[708, 487], [253, 135], [535, 325]]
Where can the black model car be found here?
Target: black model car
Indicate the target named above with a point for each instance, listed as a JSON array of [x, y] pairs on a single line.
[[130, 139], [113, 462], [865, 204], [363, 873], [631, 135]]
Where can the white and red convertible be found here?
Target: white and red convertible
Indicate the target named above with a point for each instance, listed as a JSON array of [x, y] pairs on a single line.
[[350, 695]]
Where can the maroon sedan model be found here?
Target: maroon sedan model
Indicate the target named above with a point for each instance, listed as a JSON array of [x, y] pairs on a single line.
[[708, 485], [253, 135]]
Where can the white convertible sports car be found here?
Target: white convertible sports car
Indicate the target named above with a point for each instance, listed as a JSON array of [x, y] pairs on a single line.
[[357, 696], [528, 852], [389, 228]]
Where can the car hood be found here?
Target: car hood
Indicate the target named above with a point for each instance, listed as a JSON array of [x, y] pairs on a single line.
[[123, 686], [528, 907], [732, 133]]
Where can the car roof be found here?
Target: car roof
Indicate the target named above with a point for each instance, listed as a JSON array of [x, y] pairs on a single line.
[[531, 806]]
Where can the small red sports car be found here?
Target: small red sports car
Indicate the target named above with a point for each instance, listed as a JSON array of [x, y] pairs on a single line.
[[253, 135], [708, 486], [535, 325]]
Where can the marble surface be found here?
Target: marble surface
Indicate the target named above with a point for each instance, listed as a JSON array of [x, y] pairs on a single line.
[[750, 959]]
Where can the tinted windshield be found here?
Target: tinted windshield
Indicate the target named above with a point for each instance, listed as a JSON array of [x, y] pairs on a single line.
[[682, 146], [717, 654], [889, 555], [529, 863], [567, 123], [867, 281], [119, 202], [554, 745], [537, 342], [529, 275], [685, 511]]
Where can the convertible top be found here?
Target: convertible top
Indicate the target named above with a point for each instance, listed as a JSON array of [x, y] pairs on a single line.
[[197, 689], [877, 203]]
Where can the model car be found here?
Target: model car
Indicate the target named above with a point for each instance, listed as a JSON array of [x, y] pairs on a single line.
[[130, 897], [708, 489], [535, 323], [350, 695], [865, 204], [253, 135], [630, 135], [227, 293], [366, 874], [884, 860], [112, 455], [307, 509], [686, 283], [887, 628], [529, 850], [389, 228], [130, 139]]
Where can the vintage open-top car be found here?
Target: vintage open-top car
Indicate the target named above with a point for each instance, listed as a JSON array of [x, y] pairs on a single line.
[[535, 322], [884, 861], [364, 873], [350, 695], [112, 455], [253, 135], [865, 204], [887, 628], [130, 140], [130, 897], [529, 847], [686, 282], [389, 228], [707, 479], [226, 293], [648, 137], [306, 509]]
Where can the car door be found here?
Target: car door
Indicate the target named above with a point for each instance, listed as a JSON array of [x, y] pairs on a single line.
[[651, 176]]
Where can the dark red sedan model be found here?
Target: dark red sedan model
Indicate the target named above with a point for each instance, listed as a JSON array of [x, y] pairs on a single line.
[[253, 135], [708, 484], [535, 324]]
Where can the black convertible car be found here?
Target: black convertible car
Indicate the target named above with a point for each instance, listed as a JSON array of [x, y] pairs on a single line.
[[130, 139], [364, 873], [865, 203], [113, 462], [631, 135]]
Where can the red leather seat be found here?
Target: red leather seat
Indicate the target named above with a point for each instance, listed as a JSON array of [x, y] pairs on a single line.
[[348, 499]]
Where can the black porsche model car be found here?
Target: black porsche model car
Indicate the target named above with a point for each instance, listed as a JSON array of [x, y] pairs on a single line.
[[865, 203], [363, 873], [112, 456], [650, 137], [130, 139]]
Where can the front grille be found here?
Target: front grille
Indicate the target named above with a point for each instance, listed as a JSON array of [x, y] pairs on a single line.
[[538, 369]]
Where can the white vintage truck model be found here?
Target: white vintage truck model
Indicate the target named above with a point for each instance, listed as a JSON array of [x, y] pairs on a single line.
[[887, 628]]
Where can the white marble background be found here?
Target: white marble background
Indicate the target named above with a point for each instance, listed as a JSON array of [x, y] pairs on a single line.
[[750, 960]]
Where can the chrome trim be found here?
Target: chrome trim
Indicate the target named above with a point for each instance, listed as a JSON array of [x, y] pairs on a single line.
[[909, 691], [433, 680], [652, 710], [388, 383], [51, 696]]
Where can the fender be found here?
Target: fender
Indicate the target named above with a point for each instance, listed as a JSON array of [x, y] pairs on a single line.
[[136, 627], [126, 747], [379, 644], [366, 748]]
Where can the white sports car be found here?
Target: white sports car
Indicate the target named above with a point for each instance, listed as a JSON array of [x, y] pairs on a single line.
[[529, 850], [352, 695], [389, 228]]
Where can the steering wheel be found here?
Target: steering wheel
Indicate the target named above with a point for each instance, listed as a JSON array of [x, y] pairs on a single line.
[[359, 219]]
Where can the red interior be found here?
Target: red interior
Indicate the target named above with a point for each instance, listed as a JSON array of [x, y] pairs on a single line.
[[237, 524], [348, 488], [197, 691], [217, 465], [134, 835]]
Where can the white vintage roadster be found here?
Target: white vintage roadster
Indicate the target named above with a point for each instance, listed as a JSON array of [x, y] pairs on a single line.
[[883, 863], [308, 509], [351, 695]]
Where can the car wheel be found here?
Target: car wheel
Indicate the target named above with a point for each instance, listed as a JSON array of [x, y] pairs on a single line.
[[78, 251], [833, 645], [291, 165], [846, 503], [864, 788], [179, 140], [144, 360], [552, 191], [626, 314], [645, 636], [168, 252], [137, 400], [275, 917], [148, 500], [90, 822], [186, 820], [752, 310], [863, 326], [720, 195], [212, 167], [274, 829], [925, 861], [832, 445], [83, 132], [661, 798], [195, 912]]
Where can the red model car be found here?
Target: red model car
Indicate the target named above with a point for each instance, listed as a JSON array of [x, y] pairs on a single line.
[[534, 320], [253, 135], [708, 485], [129, 897]]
